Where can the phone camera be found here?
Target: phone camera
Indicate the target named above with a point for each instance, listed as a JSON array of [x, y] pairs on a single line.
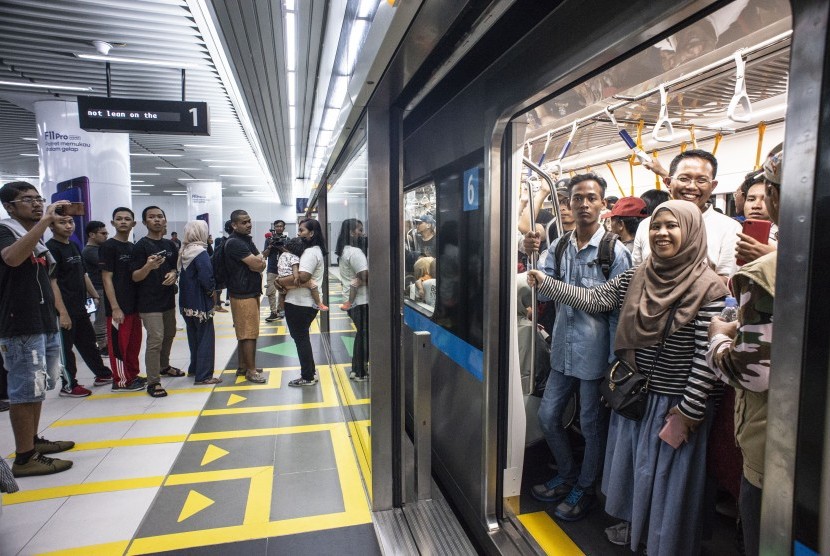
[[59, 210]]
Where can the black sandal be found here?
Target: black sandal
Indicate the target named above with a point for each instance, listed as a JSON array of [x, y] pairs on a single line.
[[156, 391], [172, 371]]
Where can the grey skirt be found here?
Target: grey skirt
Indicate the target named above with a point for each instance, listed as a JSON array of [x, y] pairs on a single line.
[[652, 485]]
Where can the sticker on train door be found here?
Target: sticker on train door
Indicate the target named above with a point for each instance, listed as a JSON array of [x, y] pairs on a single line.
[[471, 189]]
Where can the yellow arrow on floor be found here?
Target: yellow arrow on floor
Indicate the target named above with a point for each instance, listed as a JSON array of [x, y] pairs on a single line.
[[194, 504], [212, 454], [234, 399], [239, 379]]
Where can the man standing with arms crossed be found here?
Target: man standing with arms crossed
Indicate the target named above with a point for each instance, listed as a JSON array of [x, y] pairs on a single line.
[[29, 338], [123, 324]]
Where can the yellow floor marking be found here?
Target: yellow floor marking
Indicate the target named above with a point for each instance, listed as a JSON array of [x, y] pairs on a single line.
[[258, 507], [194, 504], [363, 449], [213, 453], [240, 379], [125, 442], [107, 549], [139, 394], [84, 488], [344, 384], [356, 508], [327, 389], [117, 418], [272, 375], [253, 433], [549, 535], [234, 399]]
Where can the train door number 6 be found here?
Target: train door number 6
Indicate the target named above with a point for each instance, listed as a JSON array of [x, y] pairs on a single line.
[[471, 189]]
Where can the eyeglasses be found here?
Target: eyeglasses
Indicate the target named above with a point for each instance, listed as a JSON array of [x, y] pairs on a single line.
[[686, 180], [29, 200]]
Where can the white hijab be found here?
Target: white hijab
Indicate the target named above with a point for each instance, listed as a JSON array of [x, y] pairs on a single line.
[[195, 242]]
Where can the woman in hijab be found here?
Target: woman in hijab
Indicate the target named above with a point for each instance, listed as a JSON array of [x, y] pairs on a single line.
[[657, 488], [196, 287]]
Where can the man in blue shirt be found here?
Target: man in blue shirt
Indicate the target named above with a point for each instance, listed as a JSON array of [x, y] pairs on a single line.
[[581, 348]]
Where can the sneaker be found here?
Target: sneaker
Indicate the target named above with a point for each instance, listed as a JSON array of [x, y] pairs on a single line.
[[361, 378], [102, 380], [272, 317], [4, 405], [256, 377], [302, 382], [552, 491], [575, 506], [132, 386], [619, 534], [352, 375], [43, 446], [76, 391], [346, 306], [40, 465], [280, 314], [141, 380]]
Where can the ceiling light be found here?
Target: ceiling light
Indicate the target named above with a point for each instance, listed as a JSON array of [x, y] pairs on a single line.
[[208, 146], [367, 8], [289, 5], [143, 185], [169, 155], [29, 138], [178, 194], [292, 88], [195, 179], [217, 160], [139, 194], [330, 118], [28, 154], [53, 86], [222, 166], [140, 61], [136, 181], [174, 191], [144, 174], [247, 185], [171, 168], [238, 176], [290, 41], [338, 91]]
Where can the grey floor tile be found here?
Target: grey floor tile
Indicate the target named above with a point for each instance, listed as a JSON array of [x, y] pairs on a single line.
[[299, 417], [234, 422], [298, 453], [254, 451], [306, 494]]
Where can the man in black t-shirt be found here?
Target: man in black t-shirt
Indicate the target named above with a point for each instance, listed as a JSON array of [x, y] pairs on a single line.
[[154, 270], [123, 324], [96, 235], [71, 287], [29, 338], [244, 269], [273, 241]]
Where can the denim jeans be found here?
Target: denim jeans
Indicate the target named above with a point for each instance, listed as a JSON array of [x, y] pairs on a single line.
[[33, 363], [299, 319], [201, 339], [593, 420]]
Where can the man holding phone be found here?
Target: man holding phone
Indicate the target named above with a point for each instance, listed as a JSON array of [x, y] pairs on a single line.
[[154, 270], [71, 287], [96, 235], [29, 338]]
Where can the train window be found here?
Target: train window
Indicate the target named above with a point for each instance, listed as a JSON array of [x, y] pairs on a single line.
[[420, 247]]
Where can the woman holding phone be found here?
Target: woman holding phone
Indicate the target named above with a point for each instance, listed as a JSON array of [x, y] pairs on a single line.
[[655, 468]]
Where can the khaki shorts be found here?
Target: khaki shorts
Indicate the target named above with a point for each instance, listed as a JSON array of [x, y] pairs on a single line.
[[245, 313]]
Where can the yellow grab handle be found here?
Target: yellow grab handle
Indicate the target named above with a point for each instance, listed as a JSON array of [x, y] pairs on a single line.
[[762, 127]]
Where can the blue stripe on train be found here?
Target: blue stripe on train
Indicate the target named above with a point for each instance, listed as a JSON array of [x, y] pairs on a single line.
[[469, 358]]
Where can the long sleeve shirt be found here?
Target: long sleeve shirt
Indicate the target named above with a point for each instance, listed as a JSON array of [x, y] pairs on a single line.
[[681, 369]]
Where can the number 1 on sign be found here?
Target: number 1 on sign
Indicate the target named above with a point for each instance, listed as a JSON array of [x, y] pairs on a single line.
[[195, 116]]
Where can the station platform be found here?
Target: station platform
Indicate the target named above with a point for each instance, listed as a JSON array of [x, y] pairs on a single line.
[[237, 468]]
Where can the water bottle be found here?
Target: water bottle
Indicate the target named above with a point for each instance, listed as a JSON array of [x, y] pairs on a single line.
[[730, 312]]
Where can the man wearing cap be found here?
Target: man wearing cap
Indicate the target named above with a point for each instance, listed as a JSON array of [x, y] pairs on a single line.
[[425, 226], [739, 353], [626, 215]]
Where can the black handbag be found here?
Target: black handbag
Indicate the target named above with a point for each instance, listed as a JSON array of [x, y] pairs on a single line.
[[625, 389]]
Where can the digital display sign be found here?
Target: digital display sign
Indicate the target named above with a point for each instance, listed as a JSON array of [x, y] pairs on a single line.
[[134, 115]]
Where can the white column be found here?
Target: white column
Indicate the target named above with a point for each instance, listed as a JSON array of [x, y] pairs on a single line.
[[81, 165], [204, 202]]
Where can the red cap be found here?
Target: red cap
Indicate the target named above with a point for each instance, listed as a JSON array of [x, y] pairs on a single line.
[[267, 235], [628, 206]]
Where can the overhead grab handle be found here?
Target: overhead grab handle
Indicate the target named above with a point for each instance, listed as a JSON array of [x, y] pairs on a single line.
[[624, 135], [663, 120], [557, 164], [740, 98]]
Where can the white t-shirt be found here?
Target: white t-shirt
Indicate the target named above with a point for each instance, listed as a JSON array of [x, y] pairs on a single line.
[[312, 262], [721, 237], [351, 262]]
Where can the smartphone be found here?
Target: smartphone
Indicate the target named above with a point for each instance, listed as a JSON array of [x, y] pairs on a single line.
[[757, 230], [673, 432], [76, 190], [72, 209], [90, 306], [162, 254]]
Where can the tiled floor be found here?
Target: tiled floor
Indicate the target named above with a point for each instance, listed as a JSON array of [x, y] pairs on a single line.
[[267, 469]]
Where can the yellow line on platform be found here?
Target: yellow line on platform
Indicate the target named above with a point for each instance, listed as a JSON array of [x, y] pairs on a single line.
[[119, 418], [549, 535], [252, 433], [83, 488], [344, 384], [363, 449], [139, 394], [126, 442], [212, 476]]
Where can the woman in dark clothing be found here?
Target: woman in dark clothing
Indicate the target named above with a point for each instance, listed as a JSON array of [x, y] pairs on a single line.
[[649, 483], [196, 287]]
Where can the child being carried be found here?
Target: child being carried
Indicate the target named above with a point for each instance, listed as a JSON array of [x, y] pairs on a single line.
[[289, 265]]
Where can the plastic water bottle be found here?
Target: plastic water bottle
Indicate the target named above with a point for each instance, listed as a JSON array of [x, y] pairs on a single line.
[[730, 312]]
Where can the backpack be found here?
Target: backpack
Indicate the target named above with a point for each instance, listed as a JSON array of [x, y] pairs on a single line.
[[220, 265], [605, 257]]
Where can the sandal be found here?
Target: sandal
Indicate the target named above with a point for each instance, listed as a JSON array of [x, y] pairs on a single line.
[[211, 380], [172, 371], [156, 391]]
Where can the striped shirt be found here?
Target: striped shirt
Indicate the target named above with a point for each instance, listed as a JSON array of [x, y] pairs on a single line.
[[681, 369]]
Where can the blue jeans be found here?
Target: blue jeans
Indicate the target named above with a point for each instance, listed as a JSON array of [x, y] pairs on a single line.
[[593, 420], [201, 341], [34, 365]]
